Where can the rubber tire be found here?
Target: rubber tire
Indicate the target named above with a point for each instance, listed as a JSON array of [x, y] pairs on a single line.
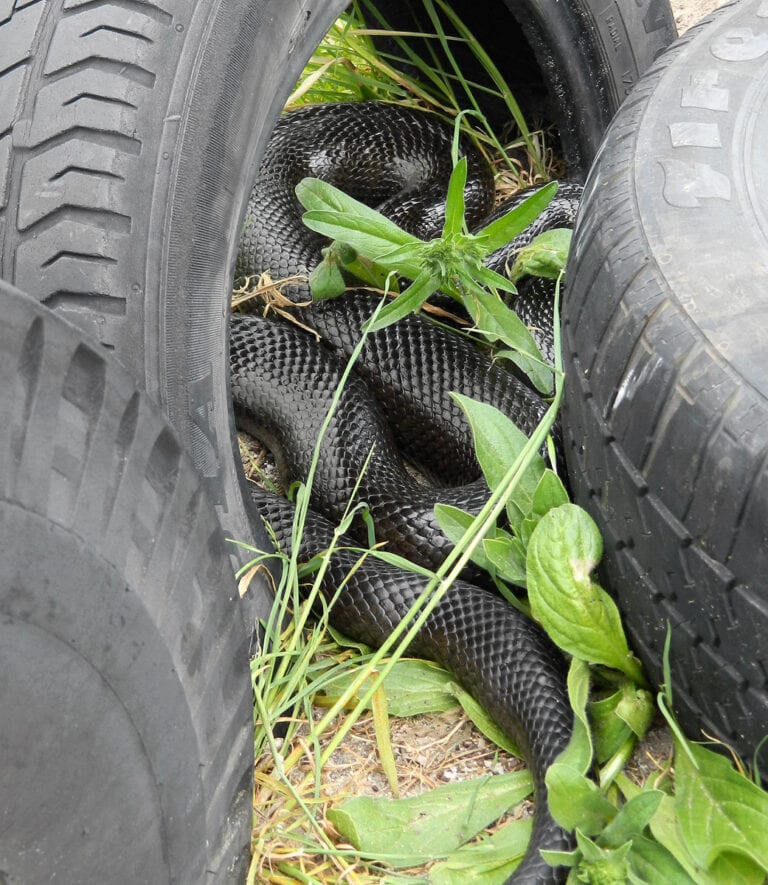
[[129, 136], [667, 357], [127, 725]]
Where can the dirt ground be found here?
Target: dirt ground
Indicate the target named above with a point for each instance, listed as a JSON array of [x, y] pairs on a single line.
[[688, 12]]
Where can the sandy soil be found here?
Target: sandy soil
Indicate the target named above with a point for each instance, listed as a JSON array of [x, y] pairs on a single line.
[[688, 12]]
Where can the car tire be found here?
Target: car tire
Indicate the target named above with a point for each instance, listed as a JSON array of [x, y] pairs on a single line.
[[127, 715], [665, 337]]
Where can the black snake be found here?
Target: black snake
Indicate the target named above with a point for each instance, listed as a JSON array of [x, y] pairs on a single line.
[[283, 381]]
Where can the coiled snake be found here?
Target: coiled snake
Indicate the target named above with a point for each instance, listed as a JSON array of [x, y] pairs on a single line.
[[283, 381]]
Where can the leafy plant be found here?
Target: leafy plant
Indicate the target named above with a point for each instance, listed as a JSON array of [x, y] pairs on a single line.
[[715, 819], [451, 264]]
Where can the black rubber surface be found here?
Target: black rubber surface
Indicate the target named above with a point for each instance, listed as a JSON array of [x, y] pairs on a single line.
[[126, 734], [666, 337], [129, 136]]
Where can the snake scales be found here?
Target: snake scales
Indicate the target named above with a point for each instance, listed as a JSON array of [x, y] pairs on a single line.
[[398, 402]]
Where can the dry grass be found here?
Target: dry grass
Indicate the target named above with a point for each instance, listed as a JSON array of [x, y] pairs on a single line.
[[429, 751]]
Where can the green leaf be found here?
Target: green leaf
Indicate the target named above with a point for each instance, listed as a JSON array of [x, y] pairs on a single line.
[[578, 614], [566, 777], [545, 256], [497, 322], [320, 196], [550, 493], [454, 522], [736, 870], [454, 202], [576, 801], [409, 301], [499, 232], [498, 442], [493, 280], [632, 819], [326, 280], [410, 832], [507, 556], [368, 237], [615, 718], [720, 810], [489, 862], [653, 863]]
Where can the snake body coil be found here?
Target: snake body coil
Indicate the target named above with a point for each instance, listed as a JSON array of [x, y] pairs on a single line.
[[283, 383]]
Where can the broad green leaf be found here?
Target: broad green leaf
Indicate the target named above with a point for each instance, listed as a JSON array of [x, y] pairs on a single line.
[[632, 819], [550, 492], [454, 202], [498, 442], [489, 862], [545, 256], [367, 236], [454, 523], [320, 196], [410, 832], [737, 869], [569, 770], [326, 280], [409, 301], [665, 826], [483, 721], [578, 614], [652, 863], [720, 810], [616, 718], [497, 322], [576, 801], [507, 555], [499, 232], [412, 688]]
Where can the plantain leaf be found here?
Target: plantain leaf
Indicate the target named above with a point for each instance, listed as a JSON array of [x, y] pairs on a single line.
[[578, 614], [412, 688], [490, 862], [720, 810], [498, 442], [410, 832]]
